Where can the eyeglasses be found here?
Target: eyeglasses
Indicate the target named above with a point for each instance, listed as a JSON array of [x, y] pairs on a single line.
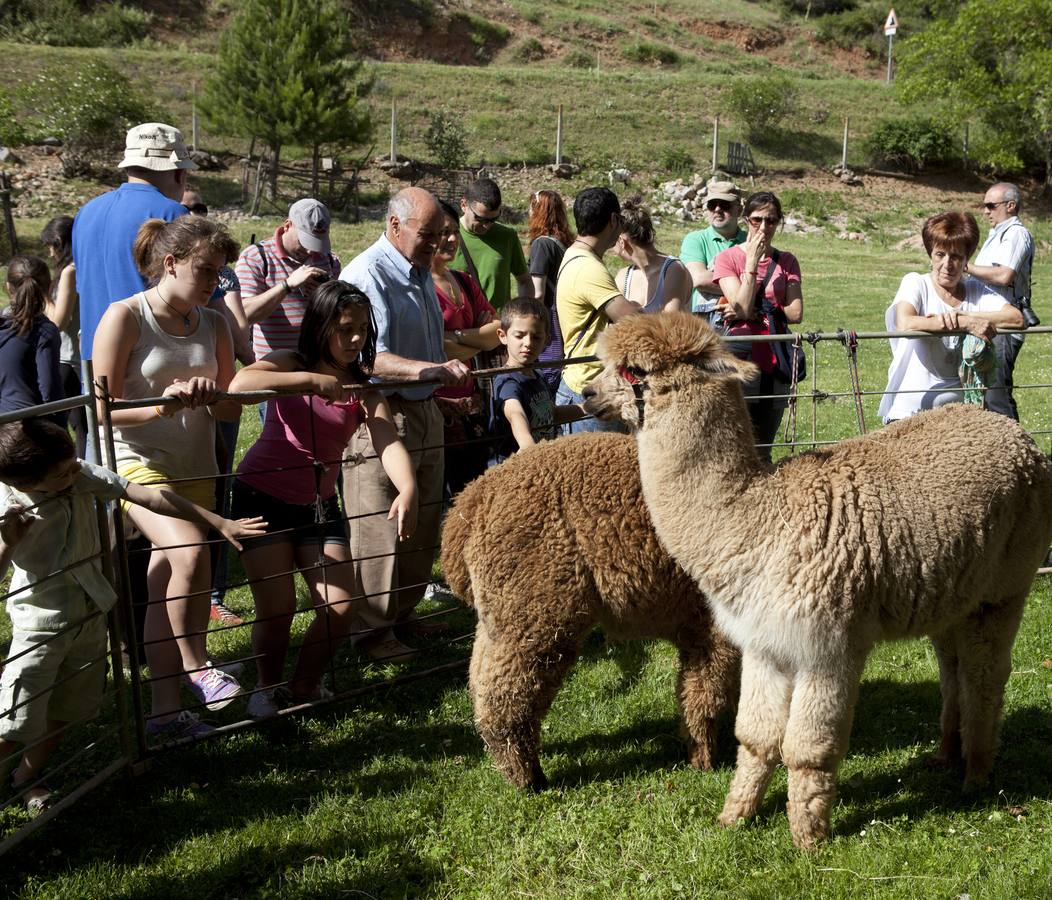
[[757, 221], [994, 205], [724, 205], [197, 209]]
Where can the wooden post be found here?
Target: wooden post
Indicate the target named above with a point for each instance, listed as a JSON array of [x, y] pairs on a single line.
[[891, 40], [715, 142], [9, 219], [394, 131], [843, 156], [193, 117], [559, 137]]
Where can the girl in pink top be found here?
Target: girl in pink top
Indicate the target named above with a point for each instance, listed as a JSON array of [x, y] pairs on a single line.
[[291, 472]]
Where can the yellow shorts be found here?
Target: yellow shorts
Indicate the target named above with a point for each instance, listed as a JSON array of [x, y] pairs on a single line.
[[201, 491]]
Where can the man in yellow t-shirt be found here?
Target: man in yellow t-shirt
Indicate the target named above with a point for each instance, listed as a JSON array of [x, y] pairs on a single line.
[[586, 297]]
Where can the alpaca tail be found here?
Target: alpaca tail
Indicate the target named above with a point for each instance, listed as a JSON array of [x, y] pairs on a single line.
[[456, 534]]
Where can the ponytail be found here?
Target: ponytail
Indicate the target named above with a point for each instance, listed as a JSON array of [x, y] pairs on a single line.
[[182, 238], [29, 282]]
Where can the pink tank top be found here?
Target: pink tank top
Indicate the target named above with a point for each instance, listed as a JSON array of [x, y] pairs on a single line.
[[299, 432]]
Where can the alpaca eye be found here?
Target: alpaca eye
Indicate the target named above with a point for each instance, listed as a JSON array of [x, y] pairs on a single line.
[[636, 372]]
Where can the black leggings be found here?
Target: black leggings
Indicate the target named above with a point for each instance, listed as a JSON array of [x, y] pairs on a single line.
[[78, 418]]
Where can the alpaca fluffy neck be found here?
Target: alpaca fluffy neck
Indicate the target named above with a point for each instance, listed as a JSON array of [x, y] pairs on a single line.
[[699, 466]]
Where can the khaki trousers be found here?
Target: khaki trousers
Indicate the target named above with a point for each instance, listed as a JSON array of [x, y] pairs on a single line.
[[394, 574]]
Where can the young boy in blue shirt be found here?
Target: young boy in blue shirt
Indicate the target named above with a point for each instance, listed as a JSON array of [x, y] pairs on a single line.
[[524, 411], [55, 671]]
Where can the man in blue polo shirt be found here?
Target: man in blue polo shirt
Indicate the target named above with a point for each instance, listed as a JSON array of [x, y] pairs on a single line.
[[395, 272], [104, 230]]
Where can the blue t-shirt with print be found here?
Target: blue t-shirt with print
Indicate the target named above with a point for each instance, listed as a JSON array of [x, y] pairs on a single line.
[[537, 402]]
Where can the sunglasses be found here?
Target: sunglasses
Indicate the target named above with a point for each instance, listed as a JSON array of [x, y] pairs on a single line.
[[198, 209], [994, 205], [724, 205], [757, 221], [484, 220]]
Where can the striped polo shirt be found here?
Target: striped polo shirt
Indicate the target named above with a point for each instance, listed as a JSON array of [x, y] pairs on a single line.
[[259, 272]]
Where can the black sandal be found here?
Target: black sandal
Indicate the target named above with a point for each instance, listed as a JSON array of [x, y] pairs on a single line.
[[36, 805]]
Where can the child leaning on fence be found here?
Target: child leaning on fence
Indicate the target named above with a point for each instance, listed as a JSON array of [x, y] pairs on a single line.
[[55, 670], [289, 477], [523, 409]]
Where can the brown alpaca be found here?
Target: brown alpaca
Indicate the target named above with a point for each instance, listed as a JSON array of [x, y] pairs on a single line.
[[547, 546], [933, 526]]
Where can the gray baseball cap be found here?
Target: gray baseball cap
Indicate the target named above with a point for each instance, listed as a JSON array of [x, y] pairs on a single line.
[[312, 220]]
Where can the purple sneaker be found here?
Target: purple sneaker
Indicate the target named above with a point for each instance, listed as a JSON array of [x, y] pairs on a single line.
[[184, 725], [214, 687]]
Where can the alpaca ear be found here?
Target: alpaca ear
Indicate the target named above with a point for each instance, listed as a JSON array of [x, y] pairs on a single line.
[[729, 364]]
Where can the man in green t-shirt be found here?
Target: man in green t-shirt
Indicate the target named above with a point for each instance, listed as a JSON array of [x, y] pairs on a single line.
[[723, 207], [489, 251]]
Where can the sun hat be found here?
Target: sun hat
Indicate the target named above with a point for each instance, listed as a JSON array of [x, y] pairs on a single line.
[[311, 219], [156, 146], [723, 190]]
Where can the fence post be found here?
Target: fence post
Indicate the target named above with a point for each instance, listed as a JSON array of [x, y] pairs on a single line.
[[715, 142], [394, 130], [843, 156], [559, 136], [9, 219], [124, 592]]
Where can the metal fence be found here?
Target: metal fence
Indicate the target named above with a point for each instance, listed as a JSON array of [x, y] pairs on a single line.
[[96, 747]]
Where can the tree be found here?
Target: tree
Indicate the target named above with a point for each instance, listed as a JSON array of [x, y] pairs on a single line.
[[286, 74], [994, 60]]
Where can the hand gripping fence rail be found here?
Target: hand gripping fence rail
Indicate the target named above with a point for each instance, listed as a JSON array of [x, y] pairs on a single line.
[[96, 746]]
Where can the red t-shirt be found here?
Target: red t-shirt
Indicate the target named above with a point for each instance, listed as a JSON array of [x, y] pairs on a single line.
[[787, 271], [467, 315]]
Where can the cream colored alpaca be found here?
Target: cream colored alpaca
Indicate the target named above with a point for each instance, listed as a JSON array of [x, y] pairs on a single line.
[[933, 526]]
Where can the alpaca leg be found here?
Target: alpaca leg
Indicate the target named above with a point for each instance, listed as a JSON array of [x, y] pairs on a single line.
[[984, 647], [512, 690], [762, 713], [815, 741], [949, 752], [707, 685]]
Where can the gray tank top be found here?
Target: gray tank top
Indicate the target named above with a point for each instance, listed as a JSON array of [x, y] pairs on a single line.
[[183, 445], [656, 301]]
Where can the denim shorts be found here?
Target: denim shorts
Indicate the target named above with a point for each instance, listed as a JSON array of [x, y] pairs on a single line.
[[288, 522]]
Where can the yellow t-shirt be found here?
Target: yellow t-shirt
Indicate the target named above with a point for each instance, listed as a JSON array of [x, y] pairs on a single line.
[[584, 286]]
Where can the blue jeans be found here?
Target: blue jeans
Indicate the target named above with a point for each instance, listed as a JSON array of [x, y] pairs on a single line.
[[566, 395]]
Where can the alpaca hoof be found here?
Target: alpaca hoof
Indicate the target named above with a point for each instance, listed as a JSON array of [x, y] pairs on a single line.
[[733, 813], [702, 755], [942, 760], [538, 781], [808, 830]]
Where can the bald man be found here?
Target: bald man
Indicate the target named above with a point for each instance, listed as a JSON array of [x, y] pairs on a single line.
[[395, 273]]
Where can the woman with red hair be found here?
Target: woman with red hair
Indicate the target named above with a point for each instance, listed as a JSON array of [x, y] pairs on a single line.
[[549, 235], [924, 372]]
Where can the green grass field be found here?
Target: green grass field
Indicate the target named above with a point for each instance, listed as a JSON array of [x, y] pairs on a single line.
[[391, 795]]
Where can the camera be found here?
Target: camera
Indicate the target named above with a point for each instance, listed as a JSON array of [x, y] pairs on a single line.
[[1030, 319]]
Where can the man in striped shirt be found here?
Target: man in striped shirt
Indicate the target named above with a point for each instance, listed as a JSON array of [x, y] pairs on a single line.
[[278, 274]]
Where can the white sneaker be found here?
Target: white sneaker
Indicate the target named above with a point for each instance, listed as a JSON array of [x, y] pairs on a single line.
[[232, 668], [262, 705]]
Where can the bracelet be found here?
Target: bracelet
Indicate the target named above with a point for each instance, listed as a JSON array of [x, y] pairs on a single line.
[[753, 273], [160, 412], [285, 285]]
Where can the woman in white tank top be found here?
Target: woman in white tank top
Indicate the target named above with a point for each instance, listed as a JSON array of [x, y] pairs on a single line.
[[164, 342]]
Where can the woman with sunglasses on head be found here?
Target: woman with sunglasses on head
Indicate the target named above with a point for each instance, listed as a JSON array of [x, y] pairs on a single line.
[[761, 287], [654, 281]]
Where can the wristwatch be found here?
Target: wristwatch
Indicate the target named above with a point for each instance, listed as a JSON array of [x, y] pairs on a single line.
[[458, 336]]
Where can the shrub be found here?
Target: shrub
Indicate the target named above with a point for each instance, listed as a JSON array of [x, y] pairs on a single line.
[[909, 144], [677, 162], [12, 134], [650, 53], [90, 109], [62, 23], [579, 59], [446, 140], [760, 104], [487, 36], [818, 7], [530, 50]]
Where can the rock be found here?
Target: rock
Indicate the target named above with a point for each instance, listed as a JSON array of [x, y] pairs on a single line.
[[913, 242], [207, 161], [50, 142], [402, 168], [7, 155], [563, 170], [619, 176]]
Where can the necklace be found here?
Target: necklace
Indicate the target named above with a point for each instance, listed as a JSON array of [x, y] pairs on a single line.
[[185, 316]]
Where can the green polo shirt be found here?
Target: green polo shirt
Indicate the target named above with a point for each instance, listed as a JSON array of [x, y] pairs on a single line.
[[702, 246], [498, 258]]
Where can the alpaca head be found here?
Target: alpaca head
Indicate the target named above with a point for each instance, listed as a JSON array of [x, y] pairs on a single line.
[[646, 357]]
